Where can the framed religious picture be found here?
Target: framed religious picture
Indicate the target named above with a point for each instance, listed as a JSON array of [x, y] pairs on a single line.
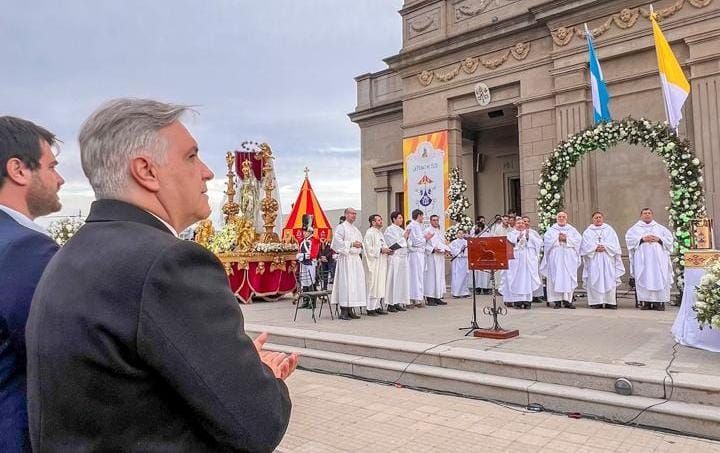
[[702, 234]]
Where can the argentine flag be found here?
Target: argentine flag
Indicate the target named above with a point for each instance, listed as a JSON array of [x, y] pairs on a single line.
[[675, 87], [600, 96]]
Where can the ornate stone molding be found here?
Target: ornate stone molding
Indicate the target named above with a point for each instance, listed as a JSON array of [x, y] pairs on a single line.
[[467, 11], [469, 65], [624, 19], [422, 24]]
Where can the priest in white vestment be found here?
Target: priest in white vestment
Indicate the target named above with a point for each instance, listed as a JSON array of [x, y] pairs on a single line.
[[435, 249], [539, 293], [650, 245], [561, 261], [459, 264], [376, 265], [416, 258], [522, 277], [602, 263], [502, 227], [397, 291], [349, 289]]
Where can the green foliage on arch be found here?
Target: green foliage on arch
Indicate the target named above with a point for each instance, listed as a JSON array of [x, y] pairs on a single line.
[[683, 168]]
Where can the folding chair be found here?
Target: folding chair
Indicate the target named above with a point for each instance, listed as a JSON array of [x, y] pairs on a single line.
[[312, 296]]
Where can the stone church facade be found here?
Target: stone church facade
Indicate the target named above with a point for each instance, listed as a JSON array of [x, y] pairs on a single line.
[[533, 56]]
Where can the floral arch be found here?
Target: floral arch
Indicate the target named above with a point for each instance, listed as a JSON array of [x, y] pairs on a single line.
[[683, 167]]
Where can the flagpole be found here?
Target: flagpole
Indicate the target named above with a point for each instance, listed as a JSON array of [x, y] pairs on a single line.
[[665, 107]]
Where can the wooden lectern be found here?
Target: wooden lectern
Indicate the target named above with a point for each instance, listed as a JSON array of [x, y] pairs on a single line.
[[490, 254]]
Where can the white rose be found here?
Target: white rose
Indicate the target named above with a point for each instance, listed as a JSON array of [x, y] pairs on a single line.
[[696, 161]]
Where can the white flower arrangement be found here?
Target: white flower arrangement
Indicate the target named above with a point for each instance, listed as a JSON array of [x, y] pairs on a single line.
[[459, 205], [684, 170], [276, 247], [63, 229], [707, 295]]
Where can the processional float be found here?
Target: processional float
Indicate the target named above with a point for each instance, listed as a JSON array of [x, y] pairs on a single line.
[[257, 263]]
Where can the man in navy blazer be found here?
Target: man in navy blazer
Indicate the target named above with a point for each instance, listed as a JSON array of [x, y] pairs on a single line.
[[29, 186], [135, 341]]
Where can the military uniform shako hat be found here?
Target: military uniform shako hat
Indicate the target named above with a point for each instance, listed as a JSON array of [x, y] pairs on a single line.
[[307, 223]]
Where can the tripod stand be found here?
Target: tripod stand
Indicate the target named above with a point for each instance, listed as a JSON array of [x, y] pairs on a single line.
[[489, 254], [473, 323]]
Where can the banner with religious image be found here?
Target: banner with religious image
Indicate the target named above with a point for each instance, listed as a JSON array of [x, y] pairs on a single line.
[[425, 175]]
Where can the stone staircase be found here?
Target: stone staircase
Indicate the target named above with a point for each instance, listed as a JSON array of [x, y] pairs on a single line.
[[689, 403]]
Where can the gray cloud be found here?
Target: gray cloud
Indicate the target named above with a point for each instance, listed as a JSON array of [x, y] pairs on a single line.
[[279, 71]]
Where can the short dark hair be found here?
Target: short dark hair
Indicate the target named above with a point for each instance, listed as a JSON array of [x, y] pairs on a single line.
[[597, 212], [394, 215], [645, 209], [342, 218], [434, 216], [372, 217], [21, 139], [416, 213]]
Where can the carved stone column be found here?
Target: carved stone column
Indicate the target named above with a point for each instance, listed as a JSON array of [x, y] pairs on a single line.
[[704, 93]]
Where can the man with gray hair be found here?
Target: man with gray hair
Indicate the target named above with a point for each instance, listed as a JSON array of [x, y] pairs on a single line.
[[135, 341]]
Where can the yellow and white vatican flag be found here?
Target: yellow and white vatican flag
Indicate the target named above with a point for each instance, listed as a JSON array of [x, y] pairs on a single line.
[[675, 86]]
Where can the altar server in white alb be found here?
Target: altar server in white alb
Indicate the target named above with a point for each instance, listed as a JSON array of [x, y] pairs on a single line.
[[459, 265], [561, 261], [416, 258], [349, 289], [522, 277], [435, 249], [602, 263], [482, 278], [376, 265], [397, 291], [650, 245], [539, 293]]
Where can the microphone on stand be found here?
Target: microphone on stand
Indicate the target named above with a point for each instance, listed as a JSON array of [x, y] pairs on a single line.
[[487, 228]]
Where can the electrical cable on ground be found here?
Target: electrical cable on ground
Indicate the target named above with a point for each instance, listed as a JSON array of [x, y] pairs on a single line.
[[530, 408]]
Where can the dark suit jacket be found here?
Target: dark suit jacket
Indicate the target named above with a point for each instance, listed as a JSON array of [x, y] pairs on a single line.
[[136, 343], [24, 253]]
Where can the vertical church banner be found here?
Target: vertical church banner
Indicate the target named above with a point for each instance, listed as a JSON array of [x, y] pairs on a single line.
[[425, 175]]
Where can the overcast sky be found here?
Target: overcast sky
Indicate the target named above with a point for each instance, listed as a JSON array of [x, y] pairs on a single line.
[[279, 71]]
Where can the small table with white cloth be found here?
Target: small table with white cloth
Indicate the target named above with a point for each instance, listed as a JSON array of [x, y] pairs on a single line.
[[686, 328]]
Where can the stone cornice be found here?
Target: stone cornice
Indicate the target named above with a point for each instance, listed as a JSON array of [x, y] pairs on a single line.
[[482, 77], [384, 109], [418, 5], [702, 37], [448, 118], [390, 167], [460, 42]]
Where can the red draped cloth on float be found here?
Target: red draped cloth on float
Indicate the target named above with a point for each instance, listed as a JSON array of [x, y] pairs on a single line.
[[262, 279]]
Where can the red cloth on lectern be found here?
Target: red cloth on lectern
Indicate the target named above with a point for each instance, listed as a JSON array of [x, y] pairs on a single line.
[[246, 283]]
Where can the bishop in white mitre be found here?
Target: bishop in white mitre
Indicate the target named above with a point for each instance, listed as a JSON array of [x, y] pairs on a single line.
[[349, 290], [376, 265], [650, 245], [416, 258], [397, 291], [602, 263], [460, 273], [561, 261], [522, 277], [435, 250]]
